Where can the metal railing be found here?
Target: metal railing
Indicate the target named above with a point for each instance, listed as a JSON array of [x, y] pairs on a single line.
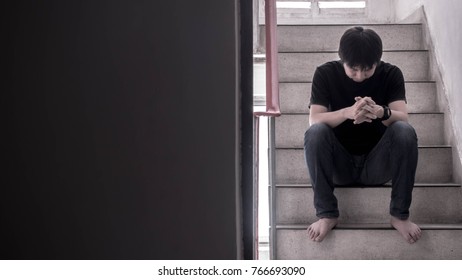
[[272, 74], [272, 111]]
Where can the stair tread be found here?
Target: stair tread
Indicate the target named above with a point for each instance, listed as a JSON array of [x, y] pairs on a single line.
[[349, 24], [336, 51], [420, 146], [428, 126], [373, 226], [418, 185], [370, 205], [325, 37], [435, 244], [295, 96], [300, 66], [410, 113], [434, 166], [309, 82]]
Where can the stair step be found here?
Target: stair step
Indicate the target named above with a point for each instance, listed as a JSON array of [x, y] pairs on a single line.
[[296, 38], [437, 242], [440, 203], [295, 97], [421, 185], [300, 66], [374, 226], [290, 129], [434, 166]]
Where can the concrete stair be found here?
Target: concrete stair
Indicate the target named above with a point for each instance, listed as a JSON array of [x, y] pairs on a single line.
[[296, 38], [370, 241], [364, 231], [429, 128], [300, 66], [371, 204], [294, 95], [434, 166]]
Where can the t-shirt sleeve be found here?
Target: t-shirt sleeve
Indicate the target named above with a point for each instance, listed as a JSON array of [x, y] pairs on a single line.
[[320, 89], [396, 90]]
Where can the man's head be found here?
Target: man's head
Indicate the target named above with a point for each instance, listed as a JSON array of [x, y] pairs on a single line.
[[360, 51]]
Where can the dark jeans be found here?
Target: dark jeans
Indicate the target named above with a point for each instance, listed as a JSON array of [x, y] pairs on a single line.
[[330, 164]]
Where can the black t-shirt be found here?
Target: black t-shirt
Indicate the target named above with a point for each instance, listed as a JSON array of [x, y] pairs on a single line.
[[333, 89]]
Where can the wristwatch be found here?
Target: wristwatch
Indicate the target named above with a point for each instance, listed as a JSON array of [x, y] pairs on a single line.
[[386, 113]]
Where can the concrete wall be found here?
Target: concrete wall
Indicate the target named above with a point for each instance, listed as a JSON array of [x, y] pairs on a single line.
[[380, 11], [120, 130], [444, 24]]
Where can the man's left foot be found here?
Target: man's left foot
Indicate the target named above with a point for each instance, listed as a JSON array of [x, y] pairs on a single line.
[[410, 231]]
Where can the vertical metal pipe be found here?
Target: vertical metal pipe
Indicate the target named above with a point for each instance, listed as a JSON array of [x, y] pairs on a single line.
[[272, 186], [256, 185]]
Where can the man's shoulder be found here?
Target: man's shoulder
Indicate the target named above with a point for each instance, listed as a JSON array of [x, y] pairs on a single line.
[[387, 67], [330, 65], [389, 72], [330, 69]]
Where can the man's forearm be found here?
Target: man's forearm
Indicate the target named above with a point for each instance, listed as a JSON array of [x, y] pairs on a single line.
[[332, 119], [396, 116]]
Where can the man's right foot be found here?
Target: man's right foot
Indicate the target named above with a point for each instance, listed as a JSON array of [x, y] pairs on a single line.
[[318, 230]]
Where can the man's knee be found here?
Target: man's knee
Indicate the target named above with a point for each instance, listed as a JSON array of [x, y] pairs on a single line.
[[403, 132], [317, 133]]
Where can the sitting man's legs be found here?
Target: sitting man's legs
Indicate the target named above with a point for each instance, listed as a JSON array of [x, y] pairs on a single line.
[[395, 157], [325, 156]]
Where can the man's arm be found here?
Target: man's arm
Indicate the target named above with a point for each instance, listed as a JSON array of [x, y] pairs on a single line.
[[364, 110], [398, 112], [320, 114], [371, 111]]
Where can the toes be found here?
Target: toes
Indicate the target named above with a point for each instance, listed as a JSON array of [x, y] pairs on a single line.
[[315, 237], [410, 239], [413, 236], [417, 235], [319, 238], [311, 233], [312, 236]]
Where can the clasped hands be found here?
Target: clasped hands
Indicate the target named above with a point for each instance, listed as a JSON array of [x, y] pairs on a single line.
[[364, 110]]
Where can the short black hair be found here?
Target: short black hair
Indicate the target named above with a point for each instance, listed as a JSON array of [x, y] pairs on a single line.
[[360, 47]]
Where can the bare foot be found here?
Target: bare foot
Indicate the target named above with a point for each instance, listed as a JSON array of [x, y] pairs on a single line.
[[410, 231], [318, 230]]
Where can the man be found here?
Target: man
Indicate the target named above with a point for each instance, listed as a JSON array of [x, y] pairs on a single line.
[[359, 133]]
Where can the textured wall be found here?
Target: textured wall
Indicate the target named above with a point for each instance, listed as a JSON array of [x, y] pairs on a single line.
[[444, 24]]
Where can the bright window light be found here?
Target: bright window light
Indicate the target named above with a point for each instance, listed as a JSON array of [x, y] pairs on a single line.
[[293, 5], [342, 5]]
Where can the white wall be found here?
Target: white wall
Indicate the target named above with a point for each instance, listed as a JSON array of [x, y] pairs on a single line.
[[445, 24]]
